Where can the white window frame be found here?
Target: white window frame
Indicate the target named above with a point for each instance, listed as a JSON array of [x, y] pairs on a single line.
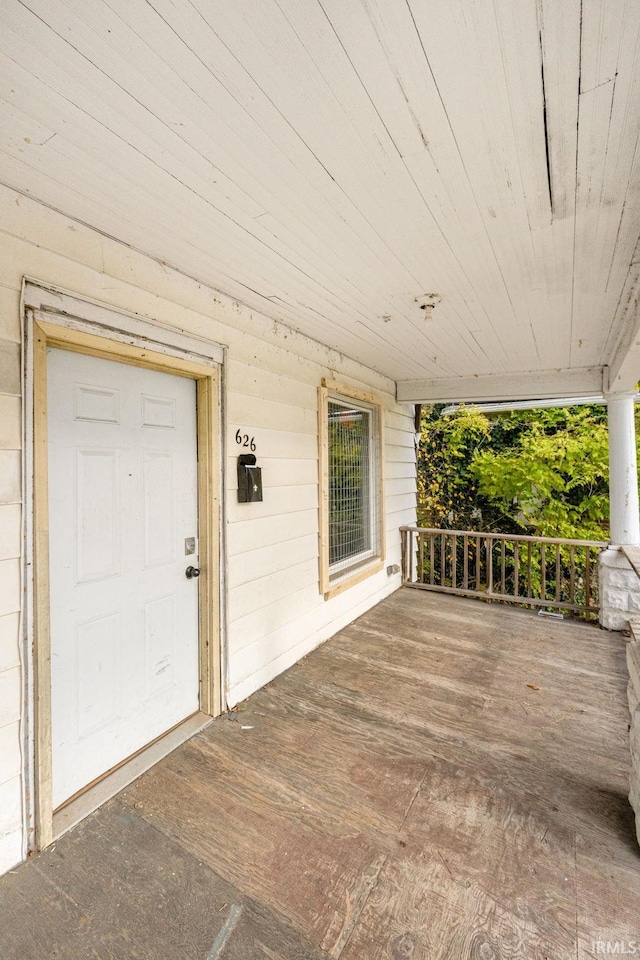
[[370, 561]]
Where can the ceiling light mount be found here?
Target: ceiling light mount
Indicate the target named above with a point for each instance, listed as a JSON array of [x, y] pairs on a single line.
[[427, 302]]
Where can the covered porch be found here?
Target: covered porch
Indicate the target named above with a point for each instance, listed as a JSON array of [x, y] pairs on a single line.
[[443, 778]]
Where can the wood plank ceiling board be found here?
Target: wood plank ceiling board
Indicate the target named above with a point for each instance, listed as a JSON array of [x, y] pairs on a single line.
[[131, 158], [359, 134], [326, 162], [623, 346], [391, 107], [437, 165], [92, 182], [608, 166], [560, 36], [74, 89], [253, 54], [300, 228], [487, 135]]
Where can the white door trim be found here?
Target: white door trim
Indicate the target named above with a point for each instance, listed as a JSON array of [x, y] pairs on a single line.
[[90, 327], [91, 316]]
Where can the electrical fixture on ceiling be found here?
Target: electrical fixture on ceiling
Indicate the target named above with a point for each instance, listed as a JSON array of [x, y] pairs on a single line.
[[427, 302]]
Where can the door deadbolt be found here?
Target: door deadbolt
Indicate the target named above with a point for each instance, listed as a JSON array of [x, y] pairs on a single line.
[[192, 572]]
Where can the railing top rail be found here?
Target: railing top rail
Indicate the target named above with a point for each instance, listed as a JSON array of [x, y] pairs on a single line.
[[509, 536]]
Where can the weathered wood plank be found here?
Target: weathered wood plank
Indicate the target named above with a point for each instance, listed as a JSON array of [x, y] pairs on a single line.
[[401, 792], [423, 910], [274, 846], [115, 887], [609, 903]]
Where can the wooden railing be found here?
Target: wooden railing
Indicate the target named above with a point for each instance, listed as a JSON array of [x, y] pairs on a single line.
[[546, 572]]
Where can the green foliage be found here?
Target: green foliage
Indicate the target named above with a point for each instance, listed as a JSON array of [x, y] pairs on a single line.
[[447, 492], [540, 472], [551, 475]]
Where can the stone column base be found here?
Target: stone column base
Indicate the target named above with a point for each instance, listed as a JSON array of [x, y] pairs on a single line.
[[620, 610], [619, 590], [633, 692]]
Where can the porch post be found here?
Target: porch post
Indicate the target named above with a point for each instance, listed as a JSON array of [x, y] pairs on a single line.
[[619, 583], [623, 471]]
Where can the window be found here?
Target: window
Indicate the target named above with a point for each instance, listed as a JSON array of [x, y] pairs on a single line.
[[351, 542]]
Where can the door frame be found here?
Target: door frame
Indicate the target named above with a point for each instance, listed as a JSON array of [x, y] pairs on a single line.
[[101, 331]]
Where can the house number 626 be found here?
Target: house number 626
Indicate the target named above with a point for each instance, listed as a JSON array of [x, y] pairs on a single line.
[[244, 440]]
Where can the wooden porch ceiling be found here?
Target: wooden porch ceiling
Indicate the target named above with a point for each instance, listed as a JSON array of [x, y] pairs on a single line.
[[401, 793], [327, 162]]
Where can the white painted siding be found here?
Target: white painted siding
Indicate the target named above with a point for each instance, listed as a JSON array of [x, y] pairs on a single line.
[[276, 613]]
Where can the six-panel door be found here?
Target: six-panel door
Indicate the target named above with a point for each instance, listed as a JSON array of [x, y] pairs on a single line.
[[122, 523]]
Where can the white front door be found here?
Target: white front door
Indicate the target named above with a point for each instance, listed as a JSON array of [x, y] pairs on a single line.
[[122, 513]]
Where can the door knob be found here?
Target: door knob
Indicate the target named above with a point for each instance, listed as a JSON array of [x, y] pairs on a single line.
[[192, 572]]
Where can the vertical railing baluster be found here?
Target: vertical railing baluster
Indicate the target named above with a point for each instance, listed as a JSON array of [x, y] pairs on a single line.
[[465, 562], [412, 558], [572, 574], [432, 557], [541, 578], [454, 561]]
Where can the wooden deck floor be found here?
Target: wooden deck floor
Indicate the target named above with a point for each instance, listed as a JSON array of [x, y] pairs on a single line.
[[406, 792]]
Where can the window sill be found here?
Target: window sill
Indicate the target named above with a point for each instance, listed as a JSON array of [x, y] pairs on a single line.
[[358, 575]]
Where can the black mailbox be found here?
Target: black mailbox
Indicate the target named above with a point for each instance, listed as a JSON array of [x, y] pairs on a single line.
[[249, 479]]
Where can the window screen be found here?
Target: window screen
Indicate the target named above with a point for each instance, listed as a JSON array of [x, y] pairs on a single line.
[[353, 514]]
